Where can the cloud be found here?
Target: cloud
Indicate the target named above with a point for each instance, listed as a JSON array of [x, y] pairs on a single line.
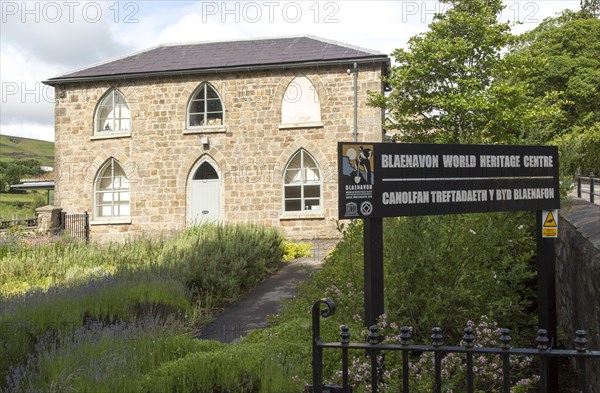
[[23, 96], [69, 34], [44, 39]]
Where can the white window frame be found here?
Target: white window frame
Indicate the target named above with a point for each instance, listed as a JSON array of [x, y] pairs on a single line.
[[300, 96], [101, 132], [98, 217], [302, 183], [204, 127]]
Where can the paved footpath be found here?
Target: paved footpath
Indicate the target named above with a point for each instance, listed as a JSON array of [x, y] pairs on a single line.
[[252, 310]]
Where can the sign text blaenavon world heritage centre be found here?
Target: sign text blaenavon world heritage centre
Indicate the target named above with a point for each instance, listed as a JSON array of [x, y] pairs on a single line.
[[391, 179]]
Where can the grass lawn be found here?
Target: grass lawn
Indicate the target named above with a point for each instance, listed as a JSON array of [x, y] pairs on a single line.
[[21, 205], [16, 148]]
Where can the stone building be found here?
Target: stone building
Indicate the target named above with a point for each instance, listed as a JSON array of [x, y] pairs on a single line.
[[224, 131]]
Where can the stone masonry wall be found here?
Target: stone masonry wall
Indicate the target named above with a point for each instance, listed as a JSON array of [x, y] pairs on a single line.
[[160, 156], [578, 277]]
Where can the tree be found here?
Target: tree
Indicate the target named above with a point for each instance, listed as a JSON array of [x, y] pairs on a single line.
[[590, 8], [566, 53], [11, 172], [451, 85]]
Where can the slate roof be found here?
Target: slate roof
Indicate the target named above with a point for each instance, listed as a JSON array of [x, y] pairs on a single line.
[[227, 55]]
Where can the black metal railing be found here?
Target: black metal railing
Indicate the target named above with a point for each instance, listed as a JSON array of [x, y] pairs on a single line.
[[75, 225], [589, 181], [25, 222], [374, 350]]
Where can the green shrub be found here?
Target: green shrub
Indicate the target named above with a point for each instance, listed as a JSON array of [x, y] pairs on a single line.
[[579, 151], [214, 259], [61, 263], [234, 368], [39, 199], [439, 271], [296, 250], [217, 261], [445, 270]]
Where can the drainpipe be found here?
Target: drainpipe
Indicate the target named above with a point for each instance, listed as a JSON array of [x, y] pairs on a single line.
[[355, 73]]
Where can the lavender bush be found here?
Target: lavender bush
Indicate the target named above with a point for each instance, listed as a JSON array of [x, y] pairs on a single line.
[[61, 310], [86, 318], [102, 357]]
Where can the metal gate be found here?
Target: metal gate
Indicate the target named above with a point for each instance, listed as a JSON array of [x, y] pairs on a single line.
[[374, 348], [76, 226]]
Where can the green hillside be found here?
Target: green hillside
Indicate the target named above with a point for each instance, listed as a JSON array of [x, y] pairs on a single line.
[[14, 148]]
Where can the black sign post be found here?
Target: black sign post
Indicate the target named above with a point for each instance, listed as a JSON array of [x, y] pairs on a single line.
[[379, 180], [546, 261], [373, 269]]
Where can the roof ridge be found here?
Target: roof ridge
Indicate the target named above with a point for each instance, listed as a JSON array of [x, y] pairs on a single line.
[[265, 38], [117, 58], [282, 37], [339, 43]]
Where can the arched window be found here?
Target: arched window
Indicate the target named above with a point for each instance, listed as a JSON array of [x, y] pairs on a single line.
[[206, 172], [300, 105], [111, 191], [302, 183], [112, 114], [205, 107]]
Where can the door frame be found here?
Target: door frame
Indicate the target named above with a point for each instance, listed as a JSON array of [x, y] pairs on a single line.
[[201, 160]]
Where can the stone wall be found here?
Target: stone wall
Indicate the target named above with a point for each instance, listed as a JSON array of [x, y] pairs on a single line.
[[578, 277], [250, 152]]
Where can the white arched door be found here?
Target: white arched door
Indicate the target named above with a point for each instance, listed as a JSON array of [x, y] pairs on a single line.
[[206, 195]]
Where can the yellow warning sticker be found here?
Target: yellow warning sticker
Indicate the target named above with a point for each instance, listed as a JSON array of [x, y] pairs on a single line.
[[550, 222], [550, 226]]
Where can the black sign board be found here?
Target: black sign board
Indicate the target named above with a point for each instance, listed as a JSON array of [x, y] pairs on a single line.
[[391, 179]]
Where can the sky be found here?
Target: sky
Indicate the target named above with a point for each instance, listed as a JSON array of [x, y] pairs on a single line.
[[43, 39]]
